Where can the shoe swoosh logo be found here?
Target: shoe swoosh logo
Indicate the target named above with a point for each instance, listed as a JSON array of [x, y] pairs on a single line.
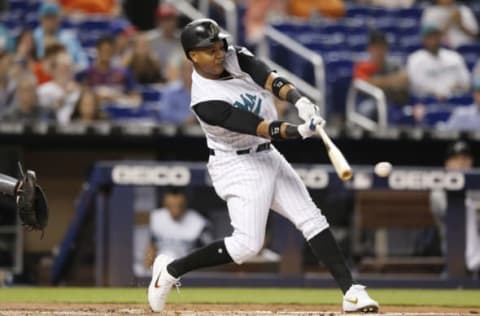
[[355, 301], [158, 278]]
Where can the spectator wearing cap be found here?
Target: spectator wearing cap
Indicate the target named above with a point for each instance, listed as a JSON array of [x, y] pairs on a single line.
[[467, 117], [434, 71], [383, 72], [165, 40], [456, 22], [49, 32]]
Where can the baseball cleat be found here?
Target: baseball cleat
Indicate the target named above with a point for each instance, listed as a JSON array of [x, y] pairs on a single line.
[[357, 300], [161, 283]]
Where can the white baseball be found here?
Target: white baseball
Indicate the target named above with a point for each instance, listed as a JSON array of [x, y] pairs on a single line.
[[383, 169]]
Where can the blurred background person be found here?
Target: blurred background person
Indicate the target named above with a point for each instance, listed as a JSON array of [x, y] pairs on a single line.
[[107, 7], [25, 106], [165, 40], [435, 71], [466, 117], [7, 83], [112, 85], [383, 72], [143, 63], [174, 106], [457, 22], [310, 8], [43, 67], [49, 32], [175, 228], [25, 53], [60, 93], [459, 157], [124, 36], [87, 109]]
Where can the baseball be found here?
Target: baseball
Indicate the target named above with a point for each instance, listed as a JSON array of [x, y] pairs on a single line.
[[383, 169]]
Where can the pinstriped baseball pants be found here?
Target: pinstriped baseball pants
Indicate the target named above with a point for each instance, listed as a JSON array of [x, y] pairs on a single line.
[[254, 183]]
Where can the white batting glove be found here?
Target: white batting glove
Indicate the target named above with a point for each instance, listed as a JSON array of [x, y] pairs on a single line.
[[306, 109], [308, 129]]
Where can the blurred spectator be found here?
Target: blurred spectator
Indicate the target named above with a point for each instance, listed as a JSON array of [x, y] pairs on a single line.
[[456, 21], [467, 117], [111, 84], [25, 54], [25, 107], [108, 7], [124, 35], [7, 84], [309, 8], [256, 16], [6, 41], [144, 64], [459, 158], [49, 32], [434, 71], [43, 67], [380, 71], [165, 40], [62, 92], [87, 109], [175, 228], [175, 102], [476, 70], [388, 3]]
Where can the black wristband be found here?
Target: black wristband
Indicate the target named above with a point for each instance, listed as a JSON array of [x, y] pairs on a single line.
[[293, 95], [274, 130], [291, 131], [277, 85]]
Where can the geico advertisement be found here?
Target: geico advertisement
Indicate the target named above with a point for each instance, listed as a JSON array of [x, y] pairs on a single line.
[[422, 180], [151, 175], [314, 178]]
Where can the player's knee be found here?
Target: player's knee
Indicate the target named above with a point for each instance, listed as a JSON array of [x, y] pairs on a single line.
[[242, 248], [313, 226]]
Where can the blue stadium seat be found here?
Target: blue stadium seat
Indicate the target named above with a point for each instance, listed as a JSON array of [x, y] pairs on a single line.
[[471, 54]]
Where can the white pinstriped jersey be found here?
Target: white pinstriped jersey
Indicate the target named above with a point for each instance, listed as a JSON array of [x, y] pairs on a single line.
[[240, 91]]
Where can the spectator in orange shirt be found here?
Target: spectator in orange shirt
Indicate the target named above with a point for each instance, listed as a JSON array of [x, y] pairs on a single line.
[[307, 8], [383, 72], [42, 68], [108, 7]]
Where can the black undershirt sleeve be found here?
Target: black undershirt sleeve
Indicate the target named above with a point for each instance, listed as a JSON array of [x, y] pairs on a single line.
[[257, 69], [220, 113]]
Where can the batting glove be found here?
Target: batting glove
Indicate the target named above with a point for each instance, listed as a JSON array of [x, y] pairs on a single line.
[[308, 129], [306, 109]]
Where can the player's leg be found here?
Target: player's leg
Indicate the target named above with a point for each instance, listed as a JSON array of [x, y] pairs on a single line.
[[246, 184], [292, 200]]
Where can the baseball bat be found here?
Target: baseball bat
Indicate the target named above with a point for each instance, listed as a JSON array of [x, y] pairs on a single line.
[[341, 165]]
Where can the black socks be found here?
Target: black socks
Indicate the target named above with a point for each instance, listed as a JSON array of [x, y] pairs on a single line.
[[212, 255], [325, 248]]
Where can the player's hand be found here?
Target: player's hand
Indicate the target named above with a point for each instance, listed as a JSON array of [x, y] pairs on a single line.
[[306, 109], [308, 129]]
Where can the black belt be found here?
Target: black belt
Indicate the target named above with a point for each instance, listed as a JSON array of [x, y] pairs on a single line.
[[261, 147]]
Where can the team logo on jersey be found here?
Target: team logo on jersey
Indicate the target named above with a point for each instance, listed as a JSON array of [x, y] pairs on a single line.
[[250, 102]]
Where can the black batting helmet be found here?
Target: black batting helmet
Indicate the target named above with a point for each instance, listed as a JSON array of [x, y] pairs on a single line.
[[201, 33]]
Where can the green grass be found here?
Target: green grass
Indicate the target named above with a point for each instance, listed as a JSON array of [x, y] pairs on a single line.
[[453, 298]]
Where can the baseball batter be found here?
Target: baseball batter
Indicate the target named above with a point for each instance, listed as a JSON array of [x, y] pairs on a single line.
[[232, 98]]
